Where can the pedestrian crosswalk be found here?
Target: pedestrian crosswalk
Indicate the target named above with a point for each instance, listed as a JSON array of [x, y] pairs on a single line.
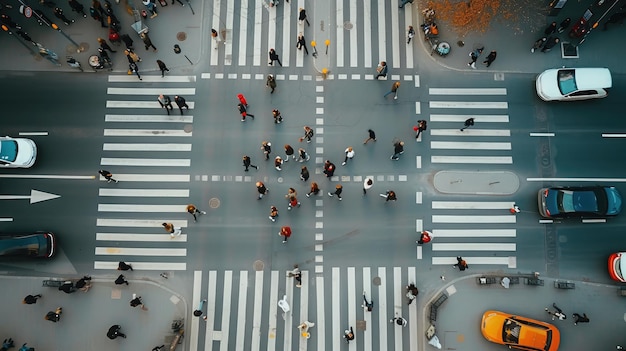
[[333, 303], [360, 34], [129, 229]]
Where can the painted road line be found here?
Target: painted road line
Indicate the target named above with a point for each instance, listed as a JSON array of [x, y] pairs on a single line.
[[144, 192], [151, 79], [469, 104], [337, 326], [145, 147], [215, 45], [140, 251], [367, 316], [271, 332], [256, 314], [420, 253], [139, 104], [508, 261], [382, 34], [228, 44], [195, 298], [257, 55], [354, 48], [137, 177], [241, 310], [6, 219], [395, 37], [382, 310], [467, 91], [469, 145], [367, 33], [45, 176], [477, 118], [352, 294], [473, 219], [145, 162], [321, 315], [147, 132], [139, 237], [32, 133], [408, 18], [289, 315], [613, 135], [619, 180], [474, 233], [413, 316], [470, 132], [152, 91], [142, 266], [143, 223], [150, 118], [472, 205], [398, 303], [243, 32], [546, 221], [472, 159], [473, 246], [143, 208], [339, 36], [226, 303], [596, 220], [541, 134], [210, 310], [304, 307], [286, 51]]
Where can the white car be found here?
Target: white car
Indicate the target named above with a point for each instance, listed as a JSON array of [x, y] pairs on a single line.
[[17, 153], [567, 84]]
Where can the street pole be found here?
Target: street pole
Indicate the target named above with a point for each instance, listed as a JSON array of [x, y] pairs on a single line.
[[8, 31]]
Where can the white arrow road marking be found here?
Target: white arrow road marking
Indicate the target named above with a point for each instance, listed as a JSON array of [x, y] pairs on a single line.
[[35, 196]]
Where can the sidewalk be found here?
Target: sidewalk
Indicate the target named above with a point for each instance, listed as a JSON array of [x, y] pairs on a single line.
[[87, 316]]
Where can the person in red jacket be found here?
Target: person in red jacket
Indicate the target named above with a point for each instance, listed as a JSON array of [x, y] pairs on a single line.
[[285, 232]]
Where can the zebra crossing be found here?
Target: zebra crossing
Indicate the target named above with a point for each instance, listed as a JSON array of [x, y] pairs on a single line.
[[135, 132], [361, 34], [333, 303]]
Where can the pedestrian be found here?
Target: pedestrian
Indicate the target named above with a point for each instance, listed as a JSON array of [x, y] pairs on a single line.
[[151, 7], [181, 102], [274, 57], [277, 116], [25, 348], [114, 332], [128, 42], [304, 174], [84, 283], [308, 134], [243, 111], [147, 42], [289, 152], [410, 34], [425, 237], [368, 183], [390, 195], [302, 17], [278, 163], [394, 90], [381, 70], [107, 175], [67, 287], [580, 319], [121, 280], [285, 232], [270, 83], [292, 199], [399, 321], [193, 210], [369, 305], [77, 7], [551, 28], [136, 301], [96, 15], [404, 2], [558, 313], [123, 266], [273, 213], [338, 190], [411, 292], [162, 67], [261, 189], [174, 231], [421, 126], [165, 102], [159, 348], [131, 56], [301, 43], [371, 136], [398, 149], [538, 44], [515, 209], [7, 344], [215, 37], [550, 43], [291, 192], [133, 68], [54, 316], [564, 24], [297, 275], [31, 299], [248, 163], [348, 334], [474, 56], [349, 155], [315, 190], [302, 155], [266, 146], [26, 37], [329, 169], [104, 45], [460, 264], [468, 123], [490, 58], [198, 311], [58, 13]]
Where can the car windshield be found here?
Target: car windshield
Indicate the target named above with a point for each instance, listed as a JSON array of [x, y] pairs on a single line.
[[567, 81], [582, 201], [8, 150], [510, 332]]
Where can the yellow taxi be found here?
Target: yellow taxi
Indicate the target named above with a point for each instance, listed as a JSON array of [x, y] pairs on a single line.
[[519, 332]]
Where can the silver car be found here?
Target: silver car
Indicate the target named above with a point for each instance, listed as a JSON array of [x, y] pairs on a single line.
[[567, 84], [17, 152]]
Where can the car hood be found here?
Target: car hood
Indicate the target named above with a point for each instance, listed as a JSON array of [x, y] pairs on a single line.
[[26, 152], [548, 85]]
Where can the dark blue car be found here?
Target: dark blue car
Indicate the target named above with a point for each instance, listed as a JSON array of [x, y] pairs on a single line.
[[590, 201], [28, 245]]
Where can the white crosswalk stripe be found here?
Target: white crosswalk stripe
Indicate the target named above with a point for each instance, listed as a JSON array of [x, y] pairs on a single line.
[[141, 239], [244, 296]]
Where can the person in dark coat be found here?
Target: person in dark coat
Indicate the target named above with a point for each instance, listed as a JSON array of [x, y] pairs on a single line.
[[468, 123], [128, 41], [181, 102], [398, 149], [114, 332], [121, 280], [490, 58], [31, 299], [147, 42], [67, 287], [329, 169], [304, 174], [550, 43], [164, 68], [274, 57], [247, 163], [165, 102], [123, 266], [58, 13], [550, 29], [77, 7], [302, 17], [301, 43], [271, 82]]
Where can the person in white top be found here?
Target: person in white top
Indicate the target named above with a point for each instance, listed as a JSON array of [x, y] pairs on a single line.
[[367, 184], [349, 155]]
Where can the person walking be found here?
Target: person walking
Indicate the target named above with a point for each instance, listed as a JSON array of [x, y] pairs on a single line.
[[293, 202], [151, 7], [460, 264], [421, 126], [133, 68], [54, 316], [404, 2], [67, 287], [398, 149], [538, 44], [564, 24], [390, 195], [271, 83], [128, 42], [165, 102], [58, 13], [348, 334], [304, 174], [261, 189], [425, 237], [162, 67], [274, 57], [382, 70], [550, 43], [399, 321], [278, 118], [273, 213], [107, 175], [410, 34], [7, 344], [266, 146], [248, 163], [368, 305], [84, 284], [308, 134], [580, 319], [77, 7], [243, 112], [25, 348], [285, 232], [301, 43], [136, 301], [198, 311], [297, 275], [368, 183], [315, 190], [329, 169], [123, 266], [302, 155], [490, 58], [97, 15], [131, 56], [302, 17], [394, 90], [474, 56], [371, 136], [193, 210], [468, 123], [551, 28], [338, 191], [31, 299], [278, 163], [181, 102], [160, 348], [174, 231], [114, 332], [104, 45], [289, 152], [147, 42], [121, 280], [215, 37], [242, 99], [349, 155]]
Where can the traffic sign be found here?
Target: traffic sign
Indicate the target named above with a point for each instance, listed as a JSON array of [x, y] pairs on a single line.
[[28, 12]]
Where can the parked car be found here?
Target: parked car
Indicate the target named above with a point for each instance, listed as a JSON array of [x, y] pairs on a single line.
[[567, 84], [17, 152], [582, 201], [40, 244], [519, 332], [617, 267]]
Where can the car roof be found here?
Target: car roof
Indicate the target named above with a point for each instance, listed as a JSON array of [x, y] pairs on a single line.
[[592, 78]]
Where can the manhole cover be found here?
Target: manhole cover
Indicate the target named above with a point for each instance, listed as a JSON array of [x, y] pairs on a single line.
[[188, 128], [181, 36], [348, 25], [376, 281], [214, 203], [258, 265]]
